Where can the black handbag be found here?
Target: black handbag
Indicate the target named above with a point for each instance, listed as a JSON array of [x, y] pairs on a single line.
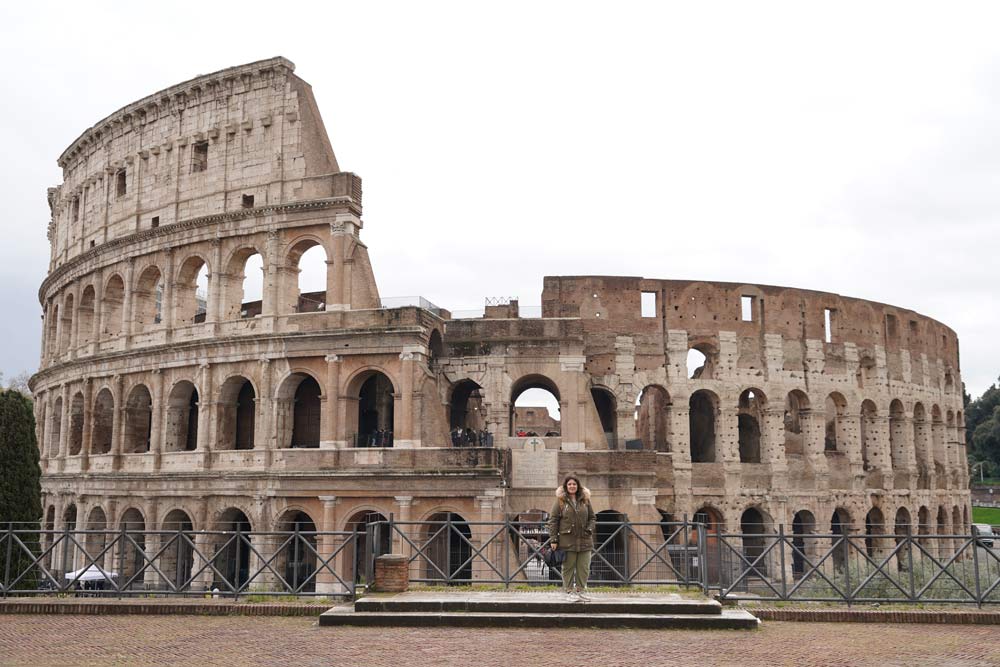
[[553, 557]]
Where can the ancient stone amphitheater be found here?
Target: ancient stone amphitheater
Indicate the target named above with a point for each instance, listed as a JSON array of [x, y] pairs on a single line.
[[163, 404]]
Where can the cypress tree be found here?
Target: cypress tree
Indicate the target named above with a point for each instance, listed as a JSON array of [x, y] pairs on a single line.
[[20, 488]]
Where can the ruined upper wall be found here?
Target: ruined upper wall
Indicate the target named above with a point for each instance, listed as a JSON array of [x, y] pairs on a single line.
[[243, 137], [612, 306]]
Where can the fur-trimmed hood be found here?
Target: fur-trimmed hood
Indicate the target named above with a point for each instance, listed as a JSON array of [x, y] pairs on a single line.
[[584, 493]]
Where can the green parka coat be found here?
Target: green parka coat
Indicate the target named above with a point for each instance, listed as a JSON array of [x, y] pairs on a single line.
[[571, 524]]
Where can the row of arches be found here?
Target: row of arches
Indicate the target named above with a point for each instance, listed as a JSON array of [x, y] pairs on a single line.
[[186, 293], [232, 421]]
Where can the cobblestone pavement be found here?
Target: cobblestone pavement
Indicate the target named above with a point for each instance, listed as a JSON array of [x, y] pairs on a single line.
[[84, 641]]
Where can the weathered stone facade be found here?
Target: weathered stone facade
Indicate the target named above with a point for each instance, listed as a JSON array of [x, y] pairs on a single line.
[[156, 407]]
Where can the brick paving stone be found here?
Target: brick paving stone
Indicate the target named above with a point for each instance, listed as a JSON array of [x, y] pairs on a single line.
[[89, 641]]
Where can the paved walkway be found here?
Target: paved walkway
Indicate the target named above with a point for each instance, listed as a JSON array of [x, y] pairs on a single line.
[[85, 641]]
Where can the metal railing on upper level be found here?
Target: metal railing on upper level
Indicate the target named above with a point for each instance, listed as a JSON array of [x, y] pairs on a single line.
[[403, 301]]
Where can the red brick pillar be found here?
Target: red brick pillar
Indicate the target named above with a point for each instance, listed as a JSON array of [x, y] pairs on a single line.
[[391, 574]]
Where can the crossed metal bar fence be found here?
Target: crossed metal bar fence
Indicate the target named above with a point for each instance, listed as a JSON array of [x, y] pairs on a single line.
[[511, 552], [856, 569], [177, 562]]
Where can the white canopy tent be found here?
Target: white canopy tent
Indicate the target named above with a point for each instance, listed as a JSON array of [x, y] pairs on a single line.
[[92, 573]]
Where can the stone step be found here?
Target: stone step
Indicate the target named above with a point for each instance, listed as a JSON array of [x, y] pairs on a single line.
[[729, 619], [551, 604]]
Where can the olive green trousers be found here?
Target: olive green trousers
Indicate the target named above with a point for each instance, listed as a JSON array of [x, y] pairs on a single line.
[[576, 569]]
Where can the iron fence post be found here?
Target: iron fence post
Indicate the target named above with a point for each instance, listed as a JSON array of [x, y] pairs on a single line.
[[447, 554], [702, 551], [121, 560], [236, 578], [781, 547], [6, 565], [718, 540], [686, 542], [975, 570], [505, 545], [909, 563], [847, 569], [353, 588]]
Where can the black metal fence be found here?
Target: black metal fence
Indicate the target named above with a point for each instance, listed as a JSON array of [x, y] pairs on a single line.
[[177, 562], [510, 552]]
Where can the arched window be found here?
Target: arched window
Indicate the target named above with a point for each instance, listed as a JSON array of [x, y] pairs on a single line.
[[112, 300], [803, 549], [702, 415], [701, 361], [448, 548], [237, 414], [308, 294], [465, 410], [76, 424], [652, 418], [103, 422], [177, 557], [749, 417], [874, 530], [534, 407], [796, 409], [134, 527], [753, 525], [147, 308], [182, 418], [869, 436], [191, 292], [96, 538], [840, 528], [66, 336], [306, 419], [836, 408], [232, 557], [85, 317], [245, 285], [297, 560], [604, 402], [922, 446], [610, 559], [138, 420], [365, 550]]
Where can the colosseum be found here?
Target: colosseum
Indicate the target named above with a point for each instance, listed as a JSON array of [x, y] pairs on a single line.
[[168, 395]]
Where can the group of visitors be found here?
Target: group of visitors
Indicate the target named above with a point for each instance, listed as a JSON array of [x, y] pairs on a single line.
[[381, 437], [470, 437]]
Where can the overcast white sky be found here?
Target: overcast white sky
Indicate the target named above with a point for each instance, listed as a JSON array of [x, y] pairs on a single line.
[[853, 148]]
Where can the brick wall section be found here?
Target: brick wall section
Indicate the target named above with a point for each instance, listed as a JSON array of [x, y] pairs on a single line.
[[158, 608], [391, 574], [942, 616]]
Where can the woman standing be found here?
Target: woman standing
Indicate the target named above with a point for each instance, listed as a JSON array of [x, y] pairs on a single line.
[[571, 529]]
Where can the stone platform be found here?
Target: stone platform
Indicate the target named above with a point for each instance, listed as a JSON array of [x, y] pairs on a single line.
[[537, 610]]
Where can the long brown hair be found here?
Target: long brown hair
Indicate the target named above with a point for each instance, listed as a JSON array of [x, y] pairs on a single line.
[[578, 496]]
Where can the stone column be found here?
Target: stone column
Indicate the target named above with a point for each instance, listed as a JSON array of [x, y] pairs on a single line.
[[331, 404], [814, 439], [128, 327], [118, 417], [216, 286], [75, 322], [403, 429], [167, 314], [326, 545], [490, 512], [264, 429], [206, 406], [404, 507], [645, 514], [270, 294], [63, 449], [573, 405], [773, 431], [156, 427], [88, 423]]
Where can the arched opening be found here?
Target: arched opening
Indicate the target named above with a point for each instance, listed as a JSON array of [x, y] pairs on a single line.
[[942, 525], [796, 409], [381, 542], [840, 528], [76, 424], [237, 414], [52, 327], [703, 411], [103, 418], [465, 410], [376, 410], [938, 445], [956, 522], [68, 548], [182, 418], [138, 420], [605, 402], [448, 549], [133, 525], [147, 299], [869, 435], [897, 435], [749, 418], [308, 259], [803, 525], [66, 326], [652, 418], [700, 361], [245, 288], [435, 346], [178, 551], [298, 409], [55, 427], [191, 292], [297, 561], [112, 300], [902, 530], [754, 527], [85, 317], [610, 561], [836, 408], [874, 531], [714, 525], [232, 557], [534, 407], [921, 444], [923, 525], [96, 538]]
